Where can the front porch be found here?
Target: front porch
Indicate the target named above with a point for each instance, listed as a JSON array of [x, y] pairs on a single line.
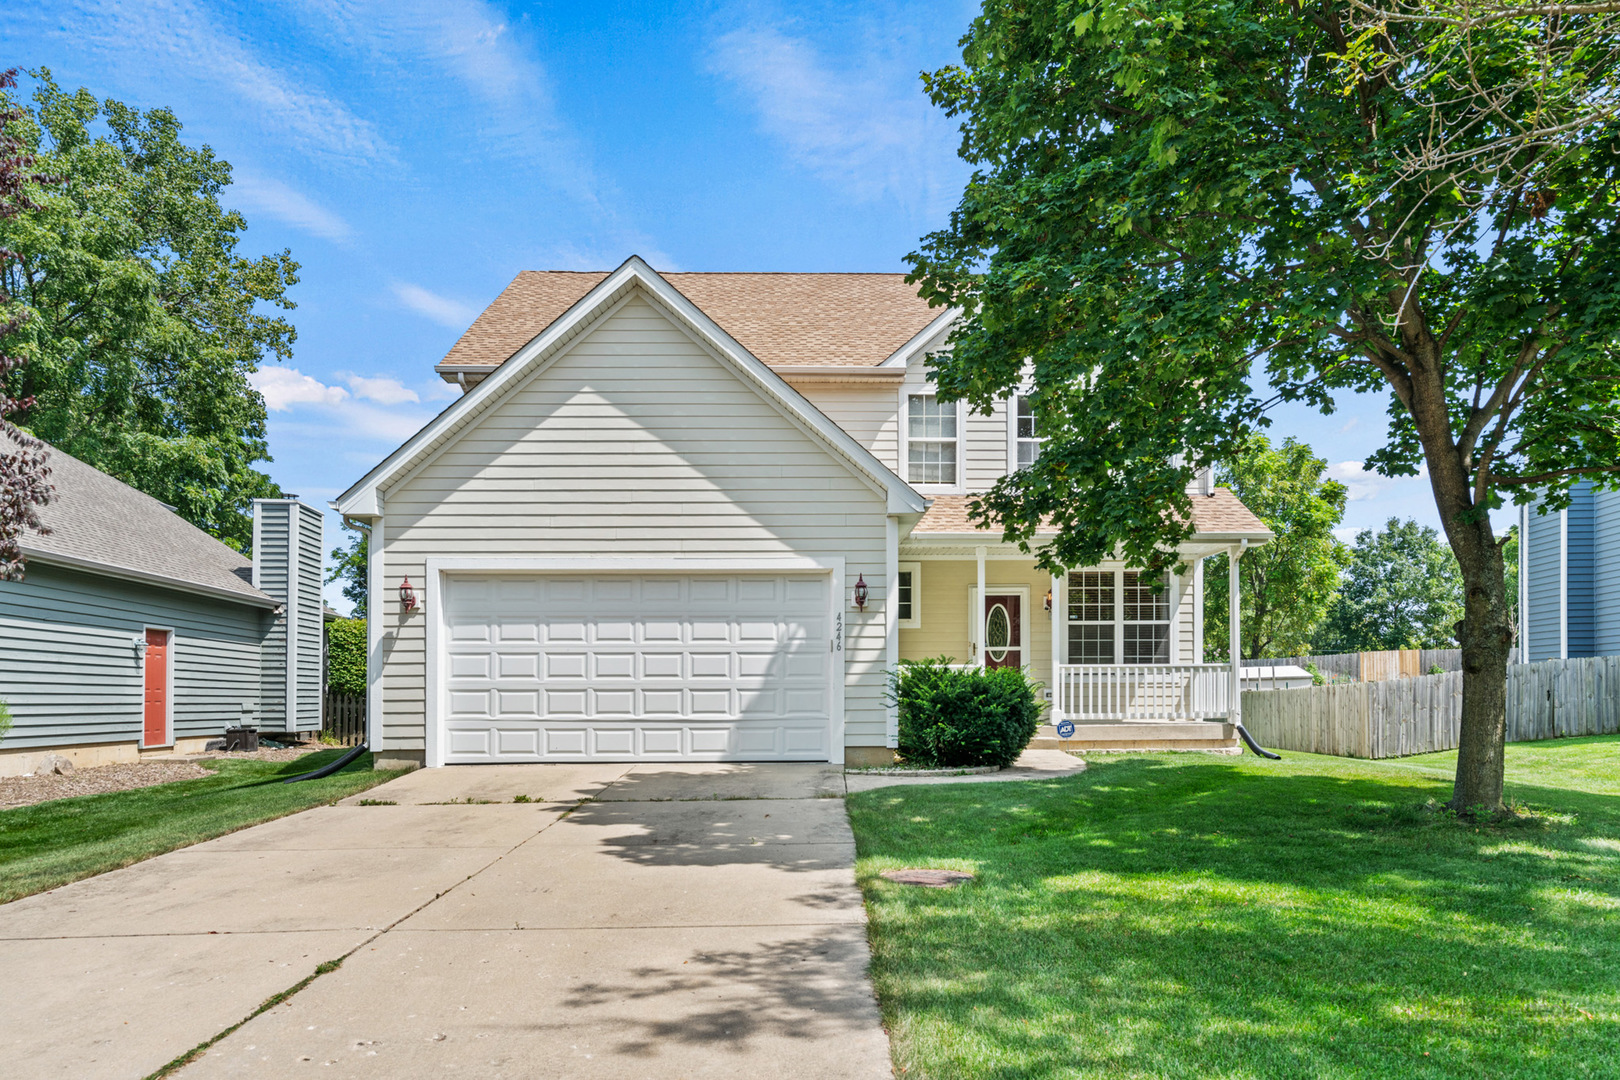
[[1120, 656]]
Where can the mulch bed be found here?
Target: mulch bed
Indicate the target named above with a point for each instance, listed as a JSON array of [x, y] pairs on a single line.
[[27, 790]]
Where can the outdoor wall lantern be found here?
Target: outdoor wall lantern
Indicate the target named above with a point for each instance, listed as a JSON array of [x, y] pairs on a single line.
[[860, 592], [139, 642], [407, 595], [1047, 605]]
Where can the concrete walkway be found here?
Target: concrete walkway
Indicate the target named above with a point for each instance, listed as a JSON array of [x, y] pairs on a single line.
[[626, 921]]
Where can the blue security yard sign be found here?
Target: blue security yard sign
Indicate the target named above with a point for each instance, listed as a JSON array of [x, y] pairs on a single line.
[[1065, 729]]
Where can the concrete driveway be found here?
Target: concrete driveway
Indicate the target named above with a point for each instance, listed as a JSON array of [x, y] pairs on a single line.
[[629, 921]]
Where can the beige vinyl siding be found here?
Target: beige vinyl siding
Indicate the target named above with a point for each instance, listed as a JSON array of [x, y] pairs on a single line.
[[870, 414], [946, 609], [635, 442], [1187, 647]]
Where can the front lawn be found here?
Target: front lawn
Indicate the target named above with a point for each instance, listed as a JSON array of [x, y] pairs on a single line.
[[52, 843], [1197, 916]]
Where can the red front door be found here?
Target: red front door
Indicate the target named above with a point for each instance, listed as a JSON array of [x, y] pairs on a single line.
[[157, 688], [1003, 634]]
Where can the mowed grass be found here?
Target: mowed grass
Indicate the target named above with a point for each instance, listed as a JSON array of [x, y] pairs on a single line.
[[52, 843], [1198, 916]]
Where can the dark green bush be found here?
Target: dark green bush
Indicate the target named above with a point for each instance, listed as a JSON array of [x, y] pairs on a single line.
[[953, 717], [346, 656]]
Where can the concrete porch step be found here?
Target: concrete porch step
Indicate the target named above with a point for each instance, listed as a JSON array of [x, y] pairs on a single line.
[[1141, 735]]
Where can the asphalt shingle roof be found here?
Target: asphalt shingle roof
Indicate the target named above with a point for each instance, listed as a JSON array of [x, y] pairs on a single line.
[[1217, 514], [852, 320], [104, 522]]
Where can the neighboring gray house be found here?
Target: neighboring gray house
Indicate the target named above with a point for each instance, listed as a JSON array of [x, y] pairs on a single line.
[[1569, 578], [133, 631]]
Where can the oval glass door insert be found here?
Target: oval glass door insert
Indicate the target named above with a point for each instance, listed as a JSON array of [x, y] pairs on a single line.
[[997, 632]]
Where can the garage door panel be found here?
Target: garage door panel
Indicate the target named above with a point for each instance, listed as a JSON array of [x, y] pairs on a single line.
[[623, 666]]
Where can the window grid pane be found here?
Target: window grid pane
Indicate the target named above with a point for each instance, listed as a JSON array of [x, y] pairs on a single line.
[[1091, 596], [1142, 604], [1147, 643], [902, 591], [931, 440], [1028, 438], [1091, 643]]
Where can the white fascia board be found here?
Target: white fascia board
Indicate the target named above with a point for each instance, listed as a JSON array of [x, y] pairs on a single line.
[[902, 356], [362, 499]]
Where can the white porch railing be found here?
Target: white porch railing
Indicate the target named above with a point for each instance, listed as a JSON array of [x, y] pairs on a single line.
[[1143, 691]]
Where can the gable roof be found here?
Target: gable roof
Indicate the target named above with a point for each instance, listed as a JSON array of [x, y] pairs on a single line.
[[105, 526], [361, 500], [784, 320], [1218, 516]]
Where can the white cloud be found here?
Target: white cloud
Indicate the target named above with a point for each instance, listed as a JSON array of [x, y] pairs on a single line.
[[440, 309], [184, 39], [284, 388], [1362, 483], [281, 202], [382, 390], [865, 128]]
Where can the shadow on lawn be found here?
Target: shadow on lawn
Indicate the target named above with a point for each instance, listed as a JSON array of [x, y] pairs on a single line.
[[1195, 918]]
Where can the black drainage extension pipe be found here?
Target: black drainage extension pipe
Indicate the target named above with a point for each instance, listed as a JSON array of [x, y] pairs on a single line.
[[1249, 739], [328, 770]]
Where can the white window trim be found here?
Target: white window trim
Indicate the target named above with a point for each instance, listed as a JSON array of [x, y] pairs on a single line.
[[958, 488], [1012, 426], [915, 570]]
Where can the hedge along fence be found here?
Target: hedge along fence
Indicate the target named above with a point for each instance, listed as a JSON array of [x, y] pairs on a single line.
[[1549, 700], [343, 714]]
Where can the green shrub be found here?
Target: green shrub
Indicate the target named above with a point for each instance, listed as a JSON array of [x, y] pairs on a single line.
[[953, 718], [5, 720], [346, 656]]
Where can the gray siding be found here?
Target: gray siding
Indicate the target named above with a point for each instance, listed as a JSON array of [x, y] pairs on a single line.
[[287, 565], [1542, 585], [1606, 573], [311, 640], [1582, 612], [70, 674], [270, 562]]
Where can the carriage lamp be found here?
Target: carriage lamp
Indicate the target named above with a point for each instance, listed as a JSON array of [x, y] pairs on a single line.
[[407, 595], [860, 592], [140, 644], [1047, 604]]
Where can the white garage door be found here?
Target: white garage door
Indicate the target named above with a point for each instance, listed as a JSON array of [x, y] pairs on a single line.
[[703, 667]]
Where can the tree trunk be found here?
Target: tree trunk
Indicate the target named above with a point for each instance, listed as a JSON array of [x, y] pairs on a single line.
[[1486, 635]]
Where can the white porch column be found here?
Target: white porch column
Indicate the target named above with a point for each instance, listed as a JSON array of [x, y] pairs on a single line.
[[978, 615], [1234, 608], [1058, 587], [1198, 611], [891, 620]]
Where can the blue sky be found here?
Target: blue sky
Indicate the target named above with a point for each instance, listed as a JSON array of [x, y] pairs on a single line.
[[416, 155]]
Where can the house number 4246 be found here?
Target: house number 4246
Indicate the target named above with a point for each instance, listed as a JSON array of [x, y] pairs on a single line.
[[837, 642]]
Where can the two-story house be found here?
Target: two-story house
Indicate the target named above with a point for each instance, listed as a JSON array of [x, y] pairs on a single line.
[[702, 516]]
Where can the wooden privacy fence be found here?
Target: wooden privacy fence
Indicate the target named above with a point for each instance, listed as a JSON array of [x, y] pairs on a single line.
[[1552, 699], [344, 718], [1372, 666]]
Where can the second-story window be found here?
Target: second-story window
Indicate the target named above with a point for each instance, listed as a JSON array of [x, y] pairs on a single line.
[[931, 440], [1024, 435]]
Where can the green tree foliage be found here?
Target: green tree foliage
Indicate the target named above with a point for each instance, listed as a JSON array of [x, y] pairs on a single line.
[[1285, 586], [24, 469], [144, 321], [349, 567], [1181, 213], [1402, 590], [346, 655]]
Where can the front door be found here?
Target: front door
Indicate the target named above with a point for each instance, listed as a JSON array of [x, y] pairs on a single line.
[[1003, 634], [156, 729]]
